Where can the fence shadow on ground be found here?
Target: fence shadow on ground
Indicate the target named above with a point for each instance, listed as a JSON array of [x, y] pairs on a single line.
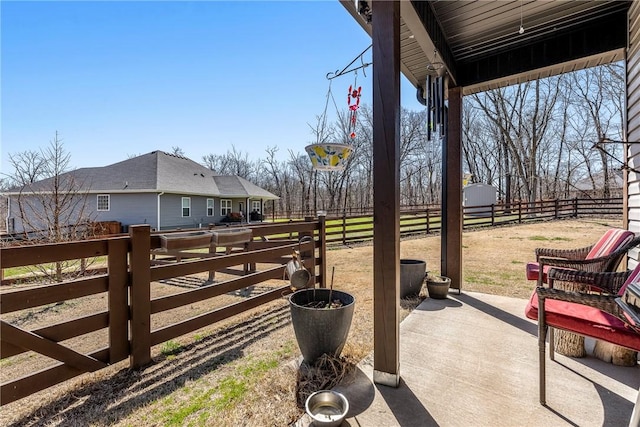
[[110, 400]]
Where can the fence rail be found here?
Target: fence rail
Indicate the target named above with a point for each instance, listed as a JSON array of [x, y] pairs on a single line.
[[131, 272], [585, 207], [344, 229]]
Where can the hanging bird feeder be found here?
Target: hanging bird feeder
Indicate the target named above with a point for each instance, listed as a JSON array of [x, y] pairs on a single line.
[[333, 156], [328, 156]]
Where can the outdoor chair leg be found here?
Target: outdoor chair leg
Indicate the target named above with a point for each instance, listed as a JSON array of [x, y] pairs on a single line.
[[635, 415], [542, 332], [552, 344]]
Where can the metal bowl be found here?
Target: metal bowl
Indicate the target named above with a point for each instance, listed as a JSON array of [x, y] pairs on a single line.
[[327, 408]]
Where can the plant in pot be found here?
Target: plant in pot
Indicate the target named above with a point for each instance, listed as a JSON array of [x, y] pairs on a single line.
[[437, 286], [321, 320]]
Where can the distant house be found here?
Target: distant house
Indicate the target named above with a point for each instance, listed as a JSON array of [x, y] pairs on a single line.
[[594, 187], [163, 190]]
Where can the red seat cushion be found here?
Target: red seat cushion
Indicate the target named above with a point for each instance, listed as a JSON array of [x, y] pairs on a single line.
[[584, 320]]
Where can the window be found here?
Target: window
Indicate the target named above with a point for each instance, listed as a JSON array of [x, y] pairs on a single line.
[[209, 207], [255, 205], [103, 202], [225, 207], [186, 206]]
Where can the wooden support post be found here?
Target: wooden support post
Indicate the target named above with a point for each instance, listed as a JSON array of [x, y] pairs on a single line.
[[140, 295], [386, 192], [451, 248]]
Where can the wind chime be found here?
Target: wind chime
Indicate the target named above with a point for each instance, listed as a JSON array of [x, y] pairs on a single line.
[[435, 102], [332, 156]]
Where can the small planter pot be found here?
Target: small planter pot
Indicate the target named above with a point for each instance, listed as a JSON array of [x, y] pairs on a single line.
[[320, 330], [438, 286], [411, 276]]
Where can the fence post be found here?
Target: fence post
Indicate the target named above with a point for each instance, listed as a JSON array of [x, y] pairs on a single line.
[[140, 295], [557, 209], [575, 207], [493, 214], [118, 300], [428, 219], [309, 255], [344, 227], [322, 235], [520, 212]]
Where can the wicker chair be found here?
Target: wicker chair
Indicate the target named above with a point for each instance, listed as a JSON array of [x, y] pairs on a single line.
[[605, 255], [595, 315]]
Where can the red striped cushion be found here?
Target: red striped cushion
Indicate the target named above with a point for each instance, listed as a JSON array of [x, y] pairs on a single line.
[[633, 277], [612, 240]]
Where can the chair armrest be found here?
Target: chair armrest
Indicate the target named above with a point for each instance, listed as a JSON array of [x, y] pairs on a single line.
[[605, 303], [591, 264], [609, 282], [573, 254]]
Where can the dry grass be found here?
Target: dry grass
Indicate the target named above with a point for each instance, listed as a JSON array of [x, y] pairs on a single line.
[[245, 372]]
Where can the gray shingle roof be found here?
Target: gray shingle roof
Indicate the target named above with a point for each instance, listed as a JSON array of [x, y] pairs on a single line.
[[157, 172]]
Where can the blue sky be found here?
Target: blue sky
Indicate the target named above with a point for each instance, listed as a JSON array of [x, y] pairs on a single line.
[[121, 78]]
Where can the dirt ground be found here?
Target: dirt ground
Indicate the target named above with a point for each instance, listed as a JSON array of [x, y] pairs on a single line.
[[244, 371]]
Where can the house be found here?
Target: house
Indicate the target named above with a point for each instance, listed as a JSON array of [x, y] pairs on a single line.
[[594, 186], [164, 190]]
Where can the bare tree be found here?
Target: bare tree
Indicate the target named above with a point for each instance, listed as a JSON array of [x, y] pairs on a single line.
[[233, 162], [54, 209], [177, 151]]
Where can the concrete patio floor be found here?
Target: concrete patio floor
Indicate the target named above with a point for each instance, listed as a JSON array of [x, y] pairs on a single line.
[[472, 360]]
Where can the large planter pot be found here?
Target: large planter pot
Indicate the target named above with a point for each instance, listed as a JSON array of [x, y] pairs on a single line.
[[320, 330], [438, 286], [412, 273]]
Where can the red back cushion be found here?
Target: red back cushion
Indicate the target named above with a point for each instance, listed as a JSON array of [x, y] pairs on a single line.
[[611, 241]]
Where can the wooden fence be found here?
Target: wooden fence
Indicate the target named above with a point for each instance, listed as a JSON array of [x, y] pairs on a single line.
[[346, 229], [127, 283], [587, 206]]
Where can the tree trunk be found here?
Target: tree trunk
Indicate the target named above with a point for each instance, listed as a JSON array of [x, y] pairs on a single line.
[[615, 354], [567, 343]]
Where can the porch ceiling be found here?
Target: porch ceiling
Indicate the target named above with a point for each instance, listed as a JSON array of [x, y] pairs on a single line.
[[481, 46]]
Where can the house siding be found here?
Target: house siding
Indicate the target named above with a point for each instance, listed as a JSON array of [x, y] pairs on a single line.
[[632, 208], [171, 211], [129, 209], [83, 208]]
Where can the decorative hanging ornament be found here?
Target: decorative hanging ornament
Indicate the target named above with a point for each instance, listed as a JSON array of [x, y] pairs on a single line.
[[354, 95]]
